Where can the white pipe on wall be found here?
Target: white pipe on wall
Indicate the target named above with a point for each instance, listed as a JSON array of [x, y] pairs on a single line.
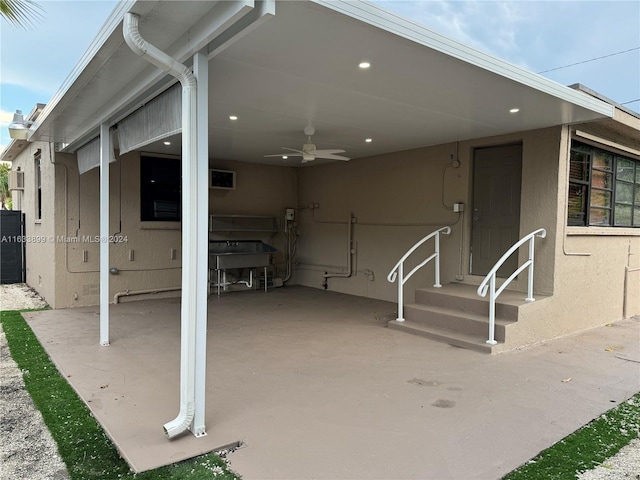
[[128, 293], [350, 252], [141, 47]]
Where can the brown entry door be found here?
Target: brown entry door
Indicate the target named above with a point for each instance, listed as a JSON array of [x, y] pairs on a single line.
[[496, 207]]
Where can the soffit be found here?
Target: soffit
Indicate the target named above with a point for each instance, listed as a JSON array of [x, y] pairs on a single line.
[[301, 67]]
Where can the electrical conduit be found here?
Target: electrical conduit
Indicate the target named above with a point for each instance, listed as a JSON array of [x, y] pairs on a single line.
[[153, 55], [350, 252]]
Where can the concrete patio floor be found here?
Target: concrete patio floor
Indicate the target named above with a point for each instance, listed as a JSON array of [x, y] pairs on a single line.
[[316, 387]]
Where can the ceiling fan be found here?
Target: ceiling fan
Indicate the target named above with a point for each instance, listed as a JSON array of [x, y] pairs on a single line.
[[309, 151]]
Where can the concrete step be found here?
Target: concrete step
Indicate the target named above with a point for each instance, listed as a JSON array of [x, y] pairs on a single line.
[[455, 320], [455, 314], [457, 339], [464, 298]]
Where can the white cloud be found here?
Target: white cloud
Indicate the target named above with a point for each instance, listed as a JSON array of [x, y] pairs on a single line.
[[5, 118]]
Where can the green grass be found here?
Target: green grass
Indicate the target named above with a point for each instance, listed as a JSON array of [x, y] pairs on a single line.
[[587, 447], [85, 449]]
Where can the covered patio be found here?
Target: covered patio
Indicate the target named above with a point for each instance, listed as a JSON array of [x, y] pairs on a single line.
[[314, 386]]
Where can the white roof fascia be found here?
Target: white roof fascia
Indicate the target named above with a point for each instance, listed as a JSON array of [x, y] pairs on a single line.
[[112, 22], [378, 17], [223, 17]]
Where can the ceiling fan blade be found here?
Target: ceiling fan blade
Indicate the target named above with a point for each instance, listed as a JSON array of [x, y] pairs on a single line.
[[333, 157], [293, 150], [328, 151], [284, 155]]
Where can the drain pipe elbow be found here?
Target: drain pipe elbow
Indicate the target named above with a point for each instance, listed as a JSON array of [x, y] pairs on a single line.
[[153, 54], [181, 423]]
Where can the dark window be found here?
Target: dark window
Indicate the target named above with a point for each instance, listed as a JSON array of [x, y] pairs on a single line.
[[160, 195], [604, 188]]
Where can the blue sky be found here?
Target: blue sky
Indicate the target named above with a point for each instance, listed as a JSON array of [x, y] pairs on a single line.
[[536, 35]]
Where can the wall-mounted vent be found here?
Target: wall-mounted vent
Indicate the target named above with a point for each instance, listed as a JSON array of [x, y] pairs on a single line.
[[16, 180], [224, 179]]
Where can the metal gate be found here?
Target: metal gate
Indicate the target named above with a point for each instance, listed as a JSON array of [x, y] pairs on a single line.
[[12, 246]]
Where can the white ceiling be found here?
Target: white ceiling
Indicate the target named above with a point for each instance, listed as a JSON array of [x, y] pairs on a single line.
[[300, 67]]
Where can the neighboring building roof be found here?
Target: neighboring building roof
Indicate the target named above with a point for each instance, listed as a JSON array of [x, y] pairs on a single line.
[[296, 64]]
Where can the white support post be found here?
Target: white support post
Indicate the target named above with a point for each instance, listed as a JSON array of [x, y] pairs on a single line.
[[437, 264], [492, 311], [201, 72], [530, 276], [104, 234], [400, 291]]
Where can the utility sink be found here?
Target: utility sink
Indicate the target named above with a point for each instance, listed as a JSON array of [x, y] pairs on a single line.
[[239, 254]]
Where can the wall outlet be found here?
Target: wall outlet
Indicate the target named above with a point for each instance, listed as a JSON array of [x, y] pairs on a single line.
[[458, 207]]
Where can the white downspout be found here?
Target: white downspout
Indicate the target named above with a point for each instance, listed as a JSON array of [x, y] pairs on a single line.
[[189, 218]]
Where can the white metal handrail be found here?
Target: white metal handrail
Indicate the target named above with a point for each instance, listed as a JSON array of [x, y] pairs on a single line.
[[491, 278], [398, 270]]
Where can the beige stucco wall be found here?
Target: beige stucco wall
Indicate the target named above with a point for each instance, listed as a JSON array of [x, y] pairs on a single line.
[[597, 270], [584, 277], [40, 268], [608, 257], [396, 200], [399, 198], [261, 190], [591, 276], [151, 244]]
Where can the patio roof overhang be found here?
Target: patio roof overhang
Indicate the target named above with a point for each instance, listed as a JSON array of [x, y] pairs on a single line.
[[299, 66]]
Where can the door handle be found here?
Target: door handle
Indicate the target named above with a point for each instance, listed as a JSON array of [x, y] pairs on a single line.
[[476, 218]]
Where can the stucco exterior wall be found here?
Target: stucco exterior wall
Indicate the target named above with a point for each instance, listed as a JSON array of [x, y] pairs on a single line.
[[149, 254], [261, 190], [396, 200], [598, 268], [399, 198], [584, 276], [40, 234], [143, 254]]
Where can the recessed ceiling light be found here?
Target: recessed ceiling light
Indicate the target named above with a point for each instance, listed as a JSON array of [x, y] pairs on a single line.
[[514, 110], [167, 143], [364, 65], [368, 140], [284, 157], [233, 117]]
